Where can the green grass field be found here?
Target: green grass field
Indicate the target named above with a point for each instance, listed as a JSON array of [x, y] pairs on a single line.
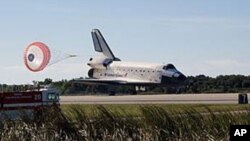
[[128, 122], [134, 109]]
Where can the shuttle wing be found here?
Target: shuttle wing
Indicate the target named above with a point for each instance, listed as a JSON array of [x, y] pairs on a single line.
[[118, 81]]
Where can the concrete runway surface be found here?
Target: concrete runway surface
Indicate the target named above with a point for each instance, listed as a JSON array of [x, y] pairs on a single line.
[[225, 98]]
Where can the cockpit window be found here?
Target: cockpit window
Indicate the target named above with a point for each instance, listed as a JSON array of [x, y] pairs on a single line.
[[169, 66]]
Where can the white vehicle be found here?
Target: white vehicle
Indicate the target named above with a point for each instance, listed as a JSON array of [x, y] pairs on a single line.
[[108, 69]]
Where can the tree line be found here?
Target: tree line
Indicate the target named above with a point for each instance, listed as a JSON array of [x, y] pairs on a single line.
[[193, 84]]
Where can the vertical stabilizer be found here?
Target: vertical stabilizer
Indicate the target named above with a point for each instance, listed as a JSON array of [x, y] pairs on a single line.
[[101, 45]]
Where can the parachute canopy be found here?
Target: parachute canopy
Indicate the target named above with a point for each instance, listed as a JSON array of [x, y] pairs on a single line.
[[37, 56]]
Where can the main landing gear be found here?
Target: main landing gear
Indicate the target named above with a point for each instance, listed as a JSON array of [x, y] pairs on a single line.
[[134, 91]]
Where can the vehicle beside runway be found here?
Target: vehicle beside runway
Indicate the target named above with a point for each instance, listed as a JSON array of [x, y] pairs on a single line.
[[27, 102]]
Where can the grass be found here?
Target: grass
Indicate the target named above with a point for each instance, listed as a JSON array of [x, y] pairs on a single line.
[[135, 110], [127, 122]]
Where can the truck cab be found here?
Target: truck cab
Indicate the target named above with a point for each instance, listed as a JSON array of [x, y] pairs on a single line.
[[50, 96]]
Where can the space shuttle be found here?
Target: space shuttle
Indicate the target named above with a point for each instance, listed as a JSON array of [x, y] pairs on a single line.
[[106, 69]]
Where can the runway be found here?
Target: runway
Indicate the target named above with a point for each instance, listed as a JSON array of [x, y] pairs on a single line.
[[225, 98]]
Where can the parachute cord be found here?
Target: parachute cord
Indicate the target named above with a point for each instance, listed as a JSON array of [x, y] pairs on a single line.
[[59, 60]]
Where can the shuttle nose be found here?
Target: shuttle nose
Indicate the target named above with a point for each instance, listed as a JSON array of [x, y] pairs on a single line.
[[177, 79], [180, 76]]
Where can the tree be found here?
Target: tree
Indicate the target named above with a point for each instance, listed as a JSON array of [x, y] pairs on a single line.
[[47, 81]]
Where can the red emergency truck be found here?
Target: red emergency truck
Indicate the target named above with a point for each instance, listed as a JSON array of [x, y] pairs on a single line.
[[14, 102]]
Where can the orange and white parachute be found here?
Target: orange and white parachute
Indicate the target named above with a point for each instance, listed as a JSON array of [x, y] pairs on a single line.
[[38, 55]]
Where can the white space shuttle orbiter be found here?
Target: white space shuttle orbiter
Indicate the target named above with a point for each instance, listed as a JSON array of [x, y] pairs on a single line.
[[106, 68]]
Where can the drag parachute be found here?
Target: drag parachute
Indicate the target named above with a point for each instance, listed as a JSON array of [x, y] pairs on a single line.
[[38, 56]]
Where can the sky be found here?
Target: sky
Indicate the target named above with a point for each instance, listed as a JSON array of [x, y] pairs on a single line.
[[197, 36]]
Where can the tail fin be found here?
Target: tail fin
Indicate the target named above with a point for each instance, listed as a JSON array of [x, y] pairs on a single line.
[[101, 45]]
